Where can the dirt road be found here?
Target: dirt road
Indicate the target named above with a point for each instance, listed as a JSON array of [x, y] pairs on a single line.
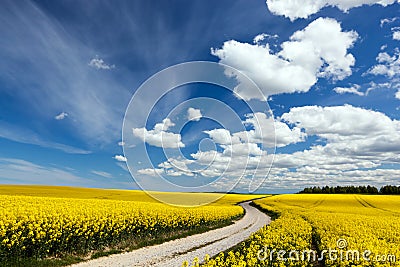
[[174, 253]]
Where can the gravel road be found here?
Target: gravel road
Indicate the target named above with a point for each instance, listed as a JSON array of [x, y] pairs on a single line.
[[174, 253]]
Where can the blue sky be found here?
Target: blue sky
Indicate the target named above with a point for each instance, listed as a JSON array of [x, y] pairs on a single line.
[[330, 71]]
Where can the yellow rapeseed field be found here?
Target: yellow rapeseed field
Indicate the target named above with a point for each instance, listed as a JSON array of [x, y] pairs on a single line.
[[79, 220], [341, 230]]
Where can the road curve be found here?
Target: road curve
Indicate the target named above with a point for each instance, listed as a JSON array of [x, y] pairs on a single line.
[[174, 253]]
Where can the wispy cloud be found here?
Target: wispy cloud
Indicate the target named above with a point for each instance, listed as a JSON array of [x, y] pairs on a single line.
[[388, 21], [18, 171], [54, 72], [102, 173], [27, 136], [122, 166]]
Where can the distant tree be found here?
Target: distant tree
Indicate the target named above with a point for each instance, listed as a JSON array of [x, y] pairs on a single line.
[[351, 189], [372, 190], [390, 190]]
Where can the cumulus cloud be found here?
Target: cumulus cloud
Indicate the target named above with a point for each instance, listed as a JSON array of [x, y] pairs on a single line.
[[397, 95], [268, 132], [319, 50], [355, 142], [387, 65], [264, 130], [242, 149], [294, 9], [343, 120], [395, 30], [120, 158], [61, 116], [150, 171], [159, 136], [99, 64], [263, 36], [311, 176], [222, 136], [354, 89], [242, 153], [194, 114], [356, 133]]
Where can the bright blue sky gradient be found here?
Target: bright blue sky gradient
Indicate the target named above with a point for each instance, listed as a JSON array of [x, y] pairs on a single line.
[[85, 59]]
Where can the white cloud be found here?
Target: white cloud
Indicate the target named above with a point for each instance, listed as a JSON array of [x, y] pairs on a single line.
[[242, 149], [395, 30], [102, 173], [61, 116], [354, 142], [242, 152], [349, 131], [120, 158], [342, 120], [354, 89], [397, 95], [319, 50], [268, 132], [222, 136], [264, 131], [295, 9], [159, 136], [263, 36], [388, 65], [176, 167], [99, 64], [150, 171], [194, 114]]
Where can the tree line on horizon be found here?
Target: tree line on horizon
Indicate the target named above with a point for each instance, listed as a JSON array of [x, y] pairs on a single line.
[[372, 190]]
